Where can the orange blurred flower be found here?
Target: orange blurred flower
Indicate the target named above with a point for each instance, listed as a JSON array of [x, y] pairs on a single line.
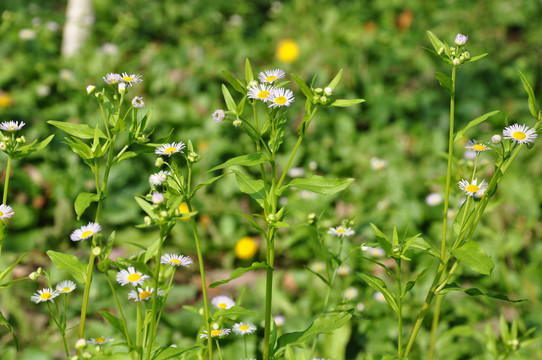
[[287, 50]]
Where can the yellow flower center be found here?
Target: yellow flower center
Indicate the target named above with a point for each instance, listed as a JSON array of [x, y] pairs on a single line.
[[1, 213], [175, 261], [243, 327], [341, 231], [13, 127], [127, 78], [100, 340], [86, 234], [216, 333], [170, 150], [246, 248], [134, 277], [222, 305], [45, 295], [66, 289], [271, 78], [145, 295], [519, 135], [263, 94], [472, 188], [479, 147], [280, 100]]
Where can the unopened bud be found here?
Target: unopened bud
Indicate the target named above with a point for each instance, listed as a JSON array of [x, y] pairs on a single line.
[[272, 217], [252, 83], [21, 140], [193, 157], [3, 146], [237, 122], [41, 271], [81, 344], [316, 99], [147, 220], [456, 62], [318, 91], [467, 55], [96, 251], [312, 218], [496, 139], [91, 89], [461, 39], [122, 87], [157, 198], [163, 213], [159, 162], [324, 99], [33, 276], [328, 91], [86, 355]]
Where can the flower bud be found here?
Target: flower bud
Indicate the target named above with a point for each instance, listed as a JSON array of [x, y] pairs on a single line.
[[496, 139], [33, 276], [91, 89], [461, 39], [122, 87], [328, 91], [318, 91], [456, 62], [193, 157], [41, 271], [21, 140], [163, 214], [272, 218], [147, 220], [3, 146], [312, 218], [96, 251], [252, 83], [467, 55], [316, 99], [237, 122], [86, 355], [324, 99], [157, 198], [441, 50], [159, 162], [81, 344]]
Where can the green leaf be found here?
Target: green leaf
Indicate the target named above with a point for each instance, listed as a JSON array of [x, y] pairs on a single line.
[[103, 265], [445, 81], [477, 57], [7, 271], [233, 313], [249, 76], [302, 86], [69, 263], [411, 283], [382, 239], [229, 100], [116, 356], [505, 333], [530, 93], [461, 133], [240, 271], [83, 201], [346, 102], [336, 80], [435, 41], [237, 85], [254, 188], [82, 131], [419, 244], [126, 155], [251, 221], [318, 184], [472, 254], [318, 275], [476, 292], [322, 325], [243, 160], [113, 321], [146, 206], [151, 250], [205, 183], [174, 353], [5, 323], [379, 285]]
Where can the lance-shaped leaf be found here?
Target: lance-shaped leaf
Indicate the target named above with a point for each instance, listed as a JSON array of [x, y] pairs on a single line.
[[82, 131], [240, 271], [477, 57], [83, 201], [26, 150], [69, 263], [230, 104], [435, 41], [346, 102], [254, 188], [303, 87], [445, 81], [113, 321], [380, 286], [459, 135], [322, 325], [530, 93], [249, 76], [472, 255], [318, 184], [7, 271], [336, 80], [476, 292], [382, 239], [237, 85], [243, 160]]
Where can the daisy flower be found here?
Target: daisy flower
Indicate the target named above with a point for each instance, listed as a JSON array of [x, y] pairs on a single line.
[[223, 302], [473, 145], [433, 199], [112, 78], [176, 260], [281, 97], [215, 333], [374, 252], [341, 231], [473, 187], [260, 92], [6, 211], [65, 287], [270, 76], [138, 102], [46, 294], [144, 294], [520, 134], [131, 79], [219, 115], [11, 125], [99, 341], [344, 270], [85, 231], [244, 329], [350, 293], [279, 320], [159, 178], [170, 149], [131, 276]]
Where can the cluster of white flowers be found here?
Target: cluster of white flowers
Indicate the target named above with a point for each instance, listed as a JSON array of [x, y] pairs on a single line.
[[266, 92], [48, 294]]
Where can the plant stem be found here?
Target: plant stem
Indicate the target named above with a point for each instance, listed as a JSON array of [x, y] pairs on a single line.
[[434, 327], [86, 292], [124, 325], [6, 183], [400, 308]]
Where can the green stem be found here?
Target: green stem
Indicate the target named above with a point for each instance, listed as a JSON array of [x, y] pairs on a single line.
[[218, 348], [86, 292], [124, 324], [434, 327], [400, 308], [6, 183], [246, 352]]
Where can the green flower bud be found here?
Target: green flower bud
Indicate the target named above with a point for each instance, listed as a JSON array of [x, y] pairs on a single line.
[[316, 99], [159, 162], [272, 218], [237, 122], [33, 276], [252, 83], [328, 91], [3, 146], [312, 219], [467, 55], [96, 251], [21, 140], [147, 220], [324, 99], [91, 89], [318, 91], [81, 344], [193, 157], [86, 355], [456, 62]]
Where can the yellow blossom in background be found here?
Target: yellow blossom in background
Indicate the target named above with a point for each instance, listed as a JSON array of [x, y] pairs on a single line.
[[183, 209], [5, 100], [287, 50], [246, 248]]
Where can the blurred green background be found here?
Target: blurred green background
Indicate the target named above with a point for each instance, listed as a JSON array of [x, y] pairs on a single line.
[[181, 49]]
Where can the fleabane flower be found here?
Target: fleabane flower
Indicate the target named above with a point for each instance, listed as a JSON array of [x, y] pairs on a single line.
[[170, 149], [474, 145], [344, 270], [244, 328], [131, 79], [6, 211], [270, 76], [131, 276], [144, 294], [341, 231], [99, 341], [219, 115], [520, 134], [176, 260], [260, 92], [159, 178], [112, 78], [281, 97], [222, 302], [85, 231], [215, 333], [472, 188], [138, 102], [461, 39], [65, 287], [11, 125], [43, 295]]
